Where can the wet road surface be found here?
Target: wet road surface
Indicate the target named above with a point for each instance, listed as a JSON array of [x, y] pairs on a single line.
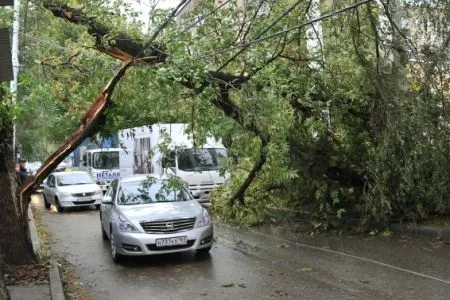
[[250, 264]]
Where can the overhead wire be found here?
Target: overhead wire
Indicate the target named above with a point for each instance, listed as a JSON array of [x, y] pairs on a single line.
[[202, 18], [287, 30], [288, 11]]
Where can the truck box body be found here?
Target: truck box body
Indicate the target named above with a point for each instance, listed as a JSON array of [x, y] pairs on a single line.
[[167, 149]]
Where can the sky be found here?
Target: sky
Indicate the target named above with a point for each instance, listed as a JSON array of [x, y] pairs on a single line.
[[144, 6]]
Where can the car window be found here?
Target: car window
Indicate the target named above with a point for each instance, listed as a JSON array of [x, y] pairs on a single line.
[[114, 190], [109, 192], [151, 191], [73, 179], [50, 181]]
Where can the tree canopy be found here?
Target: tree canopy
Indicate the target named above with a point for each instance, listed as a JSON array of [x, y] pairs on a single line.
[[356, 128]]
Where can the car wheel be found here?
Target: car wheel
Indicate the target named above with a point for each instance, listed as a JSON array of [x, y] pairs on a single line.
[[59, 209], [46, 203], [204, 251], [116, 257], [97, 206], [104, 235]]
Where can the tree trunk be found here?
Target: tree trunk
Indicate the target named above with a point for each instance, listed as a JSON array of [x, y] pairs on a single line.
[[14, 235], [4, 294]]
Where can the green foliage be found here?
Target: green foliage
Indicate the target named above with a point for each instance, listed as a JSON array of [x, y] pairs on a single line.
[[346, 139]]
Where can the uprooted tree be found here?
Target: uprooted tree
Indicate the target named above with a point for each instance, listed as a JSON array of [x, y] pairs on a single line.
[[322, 129]]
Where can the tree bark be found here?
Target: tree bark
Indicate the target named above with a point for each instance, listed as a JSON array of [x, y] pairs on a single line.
[[4, 294], [14, 235]]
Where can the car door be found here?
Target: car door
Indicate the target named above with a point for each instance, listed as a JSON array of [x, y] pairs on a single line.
[[107, 208], [49, 189]]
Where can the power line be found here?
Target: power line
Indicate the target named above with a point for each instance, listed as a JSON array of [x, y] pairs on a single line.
[[260, 34], [287, 30], [172, 15], [198, 21]]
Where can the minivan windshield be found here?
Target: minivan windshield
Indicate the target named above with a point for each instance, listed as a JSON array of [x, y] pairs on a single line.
[[150, 191], [105, 160], [73, 179], [207, 159]]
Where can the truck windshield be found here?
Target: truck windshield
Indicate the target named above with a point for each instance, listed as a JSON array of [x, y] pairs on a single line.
[[207, 159], [105, 160]]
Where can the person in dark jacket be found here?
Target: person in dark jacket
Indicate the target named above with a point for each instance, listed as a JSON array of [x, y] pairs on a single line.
[[23, 175]]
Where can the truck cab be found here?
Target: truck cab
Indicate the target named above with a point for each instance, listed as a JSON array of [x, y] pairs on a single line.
[[103, 165], [198, 168]]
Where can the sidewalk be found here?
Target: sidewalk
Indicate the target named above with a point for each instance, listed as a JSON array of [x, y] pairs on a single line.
[[33, 287]]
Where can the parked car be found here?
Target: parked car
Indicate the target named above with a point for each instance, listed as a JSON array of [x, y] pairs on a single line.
[[71, 189], [146, 215]]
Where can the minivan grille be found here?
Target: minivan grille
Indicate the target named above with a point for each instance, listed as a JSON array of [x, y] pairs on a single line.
[[168, 226]]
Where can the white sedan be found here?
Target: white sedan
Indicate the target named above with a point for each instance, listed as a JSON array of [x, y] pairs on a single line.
[[71, 189]]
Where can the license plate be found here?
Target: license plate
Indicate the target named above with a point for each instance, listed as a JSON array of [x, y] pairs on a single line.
[[84, 199], [175, 241]]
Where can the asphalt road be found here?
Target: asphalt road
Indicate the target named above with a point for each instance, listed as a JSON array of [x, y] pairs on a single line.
[[250, 264]]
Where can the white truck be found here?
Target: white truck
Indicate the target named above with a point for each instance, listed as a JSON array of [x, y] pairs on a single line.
[[199, 168], [104, 165]]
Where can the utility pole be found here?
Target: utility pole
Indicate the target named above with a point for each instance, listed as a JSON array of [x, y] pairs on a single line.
[[15, 62]]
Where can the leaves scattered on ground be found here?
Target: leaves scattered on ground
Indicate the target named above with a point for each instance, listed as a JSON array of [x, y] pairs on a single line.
[[20, 275], [228, 285], [73, 288], [45, 249], [364, 281]]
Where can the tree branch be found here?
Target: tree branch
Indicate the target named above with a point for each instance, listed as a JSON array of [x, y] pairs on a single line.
[[239, 195], [120, 46]]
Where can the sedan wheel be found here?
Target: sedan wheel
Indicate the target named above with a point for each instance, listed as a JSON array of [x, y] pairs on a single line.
[[104, 235], [116, 257], [59, 209], [46, 203]]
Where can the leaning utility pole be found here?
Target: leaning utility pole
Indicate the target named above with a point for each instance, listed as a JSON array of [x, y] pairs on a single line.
[[15, 62]]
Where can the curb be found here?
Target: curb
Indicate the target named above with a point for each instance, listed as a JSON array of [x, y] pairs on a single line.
[[401, 229], [56, 288], [422, 231], [33, 232]]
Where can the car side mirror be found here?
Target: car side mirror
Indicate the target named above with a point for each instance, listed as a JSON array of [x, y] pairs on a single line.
[[84, 164], [107, 200]]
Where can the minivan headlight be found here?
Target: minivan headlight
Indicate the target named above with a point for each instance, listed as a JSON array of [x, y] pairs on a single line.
[[125, 225], [204, 220]]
